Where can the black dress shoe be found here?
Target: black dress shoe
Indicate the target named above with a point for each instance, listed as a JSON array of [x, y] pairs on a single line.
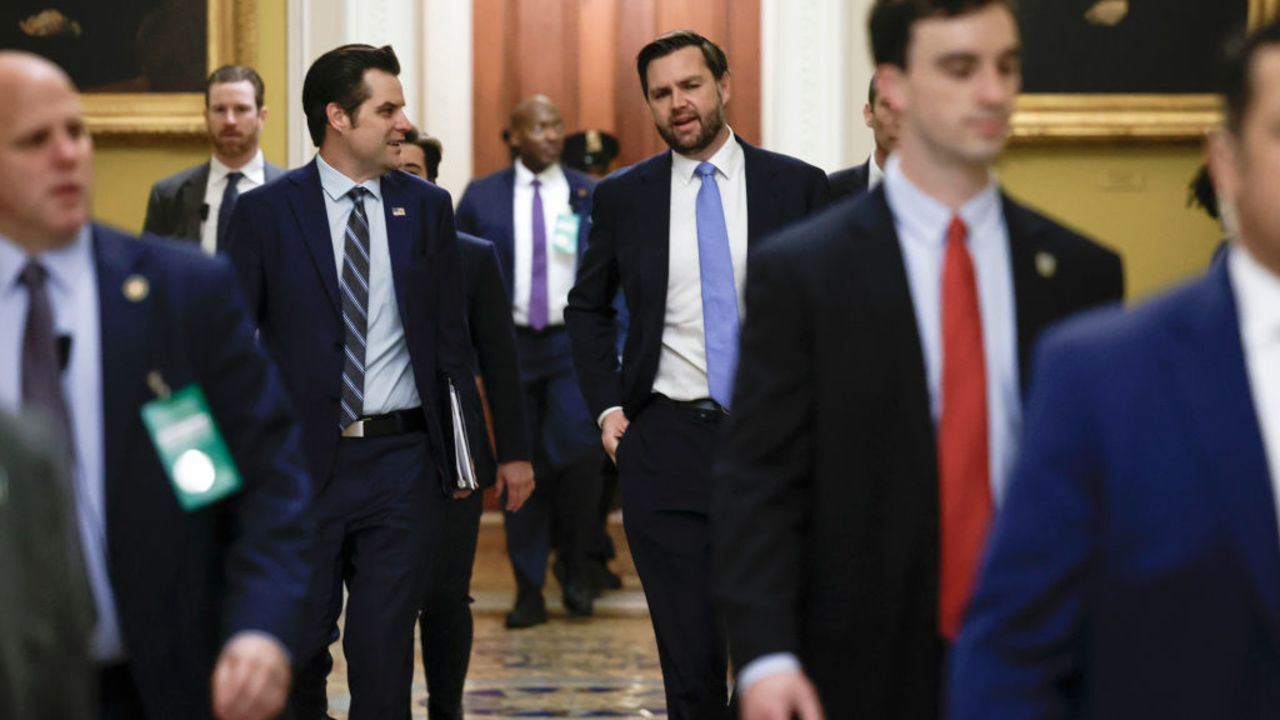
[[530, 610], [578, 600], [602, 577]]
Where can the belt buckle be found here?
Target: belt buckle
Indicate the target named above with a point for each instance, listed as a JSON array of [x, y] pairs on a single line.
[[354, 430]]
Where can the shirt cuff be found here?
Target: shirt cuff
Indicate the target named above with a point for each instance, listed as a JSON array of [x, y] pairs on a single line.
[[603, 415], [764, 666]]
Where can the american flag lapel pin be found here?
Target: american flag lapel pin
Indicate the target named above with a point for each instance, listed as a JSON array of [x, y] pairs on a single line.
[[397, 212]]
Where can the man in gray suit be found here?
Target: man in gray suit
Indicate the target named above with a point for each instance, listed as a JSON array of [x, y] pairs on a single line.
[[46, 610], [196, 203]]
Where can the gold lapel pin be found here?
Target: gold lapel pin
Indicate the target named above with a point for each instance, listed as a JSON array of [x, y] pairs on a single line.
[[136, 288], [397, 212], [1046, 264]]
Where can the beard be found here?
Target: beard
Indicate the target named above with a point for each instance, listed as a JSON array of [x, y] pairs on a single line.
[[235, 146], [711, 124]]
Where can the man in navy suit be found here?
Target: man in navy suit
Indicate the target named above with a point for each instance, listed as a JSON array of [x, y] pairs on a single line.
[[195, 204], [673, 232], [883, 121], [351, 271], [1134, 570], [445, 624], [196, 610], [537, 214], [878, 402]]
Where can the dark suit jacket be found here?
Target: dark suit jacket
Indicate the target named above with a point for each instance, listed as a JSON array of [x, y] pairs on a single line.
[[825, 513], [850, 182], [173, 208], [629, 247], [46, 606], [1134, 569], [493, 339], [280, 244], [487, 210], [186, 581]]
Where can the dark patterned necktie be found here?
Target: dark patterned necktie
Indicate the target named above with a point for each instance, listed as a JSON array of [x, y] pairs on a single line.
[[41, 370], [355, 308]]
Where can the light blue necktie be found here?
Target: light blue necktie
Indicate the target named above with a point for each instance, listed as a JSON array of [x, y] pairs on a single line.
[[719, 296]]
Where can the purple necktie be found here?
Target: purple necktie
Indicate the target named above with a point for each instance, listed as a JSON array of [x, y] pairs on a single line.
[[538, 286]]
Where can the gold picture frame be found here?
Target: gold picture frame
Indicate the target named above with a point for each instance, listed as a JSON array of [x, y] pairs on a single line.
[[232, 34], [1047, 118]]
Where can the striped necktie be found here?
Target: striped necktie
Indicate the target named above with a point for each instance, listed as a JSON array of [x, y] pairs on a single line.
[[355, 308]]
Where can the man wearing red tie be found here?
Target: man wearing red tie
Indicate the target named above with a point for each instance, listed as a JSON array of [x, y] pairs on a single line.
[[878, 396]]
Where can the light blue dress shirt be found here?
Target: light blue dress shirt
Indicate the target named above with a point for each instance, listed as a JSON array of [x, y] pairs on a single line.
[[921, 223], [388, 377], [73, 293]]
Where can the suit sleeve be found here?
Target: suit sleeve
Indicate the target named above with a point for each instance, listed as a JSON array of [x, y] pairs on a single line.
[[761, 478], [1019, 652], [819, 193], [265, 564], [494, 336], [590, 315]]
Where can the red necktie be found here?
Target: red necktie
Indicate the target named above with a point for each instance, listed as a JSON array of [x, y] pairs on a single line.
[[964, 490]]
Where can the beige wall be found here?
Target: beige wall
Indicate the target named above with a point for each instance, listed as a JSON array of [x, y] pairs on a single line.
[[1131, 198], [123, 174]]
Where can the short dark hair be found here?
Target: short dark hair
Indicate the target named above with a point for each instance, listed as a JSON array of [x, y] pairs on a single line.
[[432, 151], [890, 22], [1201, 193], [1237, 81], [668, 43], [236, 73], [871, 91], [338, 76]]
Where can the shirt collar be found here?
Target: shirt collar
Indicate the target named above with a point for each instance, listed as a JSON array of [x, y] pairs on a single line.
[[924, 215], [336, 185], [254, 169], [1257, 291], [728, 161], [66, 265], [874, 172], [549, 174]]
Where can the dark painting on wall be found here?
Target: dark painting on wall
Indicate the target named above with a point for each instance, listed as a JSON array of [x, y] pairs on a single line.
[[115, 46], [1126, 46]]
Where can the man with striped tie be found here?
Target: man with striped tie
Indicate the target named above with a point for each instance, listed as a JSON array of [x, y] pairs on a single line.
[[351, 270]]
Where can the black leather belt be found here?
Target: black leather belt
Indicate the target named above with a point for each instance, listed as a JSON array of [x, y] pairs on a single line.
[[393, 423], [706, 405], [548, 330]]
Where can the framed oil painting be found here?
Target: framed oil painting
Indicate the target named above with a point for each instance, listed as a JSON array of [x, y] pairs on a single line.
[[1126, 69], [141, 64]]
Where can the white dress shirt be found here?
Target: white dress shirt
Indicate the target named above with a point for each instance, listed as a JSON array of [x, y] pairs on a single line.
[[73, 295], [682, 362], [1257, 292], [388, 376], [562, 263], [921, 223], [255, 174], [875, 173]]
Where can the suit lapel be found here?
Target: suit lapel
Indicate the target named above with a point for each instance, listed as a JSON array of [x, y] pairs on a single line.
[[762, 205], [884, 273], [125, 346], [653, 228], [190, 200], [1209, 367], [400, 234], [307, 201], [505, 242], [1032, 291]]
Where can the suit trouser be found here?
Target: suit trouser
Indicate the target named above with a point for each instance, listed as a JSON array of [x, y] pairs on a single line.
[[664, 464], [566, 463], [445, 623], [378, 524]]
